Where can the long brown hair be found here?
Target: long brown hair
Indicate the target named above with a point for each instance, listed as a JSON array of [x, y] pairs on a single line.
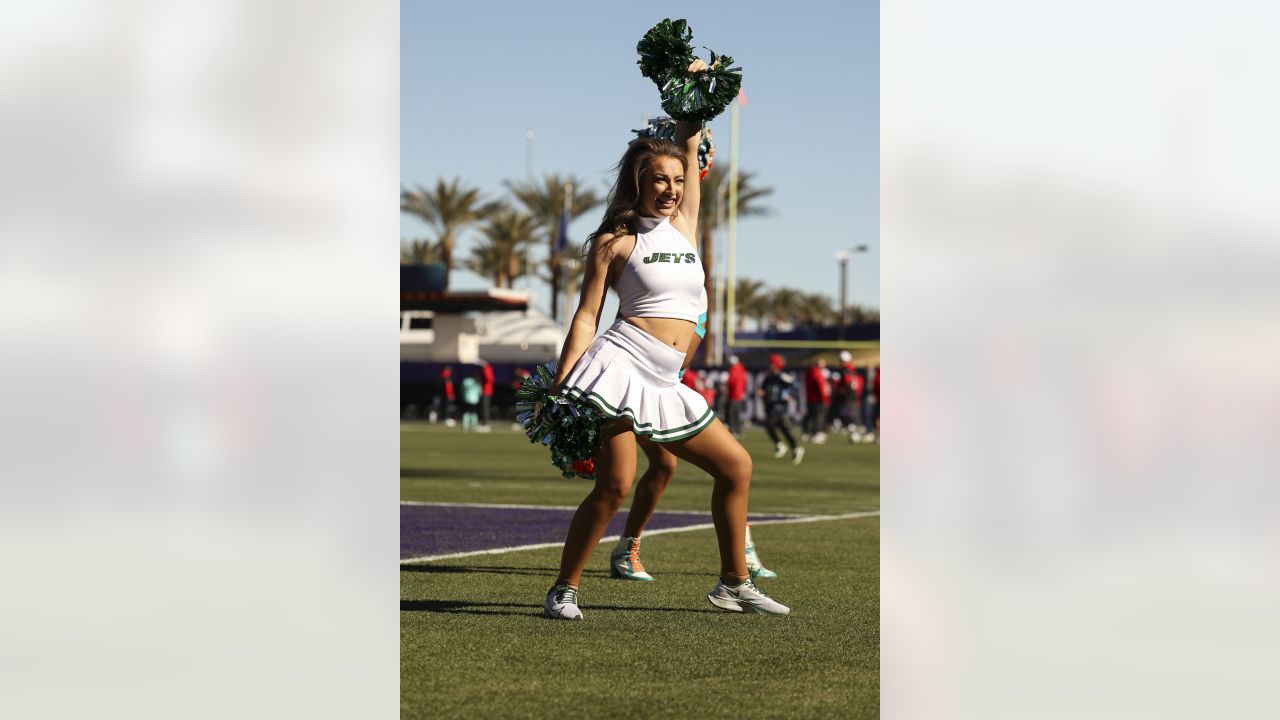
[[624, 197]]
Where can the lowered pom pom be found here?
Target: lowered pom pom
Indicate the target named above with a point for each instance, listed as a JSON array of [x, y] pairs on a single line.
[[584, 469], [568, 428]]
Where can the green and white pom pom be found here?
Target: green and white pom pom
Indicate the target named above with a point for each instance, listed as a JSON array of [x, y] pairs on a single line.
[[665, 55], [570, 429]]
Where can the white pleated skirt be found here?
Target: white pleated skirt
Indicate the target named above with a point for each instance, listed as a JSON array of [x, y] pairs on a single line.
[[628, 373]]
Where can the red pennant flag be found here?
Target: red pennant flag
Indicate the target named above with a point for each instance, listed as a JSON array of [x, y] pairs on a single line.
[[742, 97]]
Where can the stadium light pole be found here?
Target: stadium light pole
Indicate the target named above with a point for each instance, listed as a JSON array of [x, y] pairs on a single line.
[[528, 155], [843, 256]]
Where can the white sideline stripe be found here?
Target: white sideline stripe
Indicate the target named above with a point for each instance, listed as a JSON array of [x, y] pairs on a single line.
[[614, 538], [500, 506]]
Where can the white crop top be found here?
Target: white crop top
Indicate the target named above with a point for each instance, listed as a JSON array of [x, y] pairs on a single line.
[[663, 276]]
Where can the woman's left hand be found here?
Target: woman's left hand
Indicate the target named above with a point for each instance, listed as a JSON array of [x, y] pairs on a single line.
[[698, 66]]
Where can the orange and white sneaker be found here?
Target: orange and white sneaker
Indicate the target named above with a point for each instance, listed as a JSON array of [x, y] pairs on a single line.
[[624, 561]]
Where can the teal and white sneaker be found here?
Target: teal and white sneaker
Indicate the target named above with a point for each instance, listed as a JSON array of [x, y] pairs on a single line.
[[624, 561], [754, 566], [562, 604], [746, 598]]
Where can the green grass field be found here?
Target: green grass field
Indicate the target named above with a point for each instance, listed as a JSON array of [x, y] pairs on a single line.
[[473, 643]]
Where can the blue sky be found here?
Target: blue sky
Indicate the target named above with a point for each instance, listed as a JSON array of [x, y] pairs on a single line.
[[475, 76]]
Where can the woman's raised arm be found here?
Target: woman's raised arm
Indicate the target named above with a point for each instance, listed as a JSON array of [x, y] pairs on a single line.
[[688, 136]]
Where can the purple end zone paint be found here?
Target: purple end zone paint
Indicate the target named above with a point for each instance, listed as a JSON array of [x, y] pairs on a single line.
[[444, 529]]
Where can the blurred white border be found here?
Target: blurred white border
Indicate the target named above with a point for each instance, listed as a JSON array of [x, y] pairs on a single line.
[[1080, 337], [198, 426]]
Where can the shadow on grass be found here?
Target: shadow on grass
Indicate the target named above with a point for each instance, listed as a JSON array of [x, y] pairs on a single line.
[[460, 473], [502, 570], [495, 569], [520, 609]]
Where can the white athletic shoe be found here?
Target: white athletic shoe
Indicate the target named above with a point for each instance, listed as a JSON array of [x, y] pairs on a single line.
[[562, 604], [797, 456], [746, 598], [624, 561], [820, 438], [779, 450], [754, 566]]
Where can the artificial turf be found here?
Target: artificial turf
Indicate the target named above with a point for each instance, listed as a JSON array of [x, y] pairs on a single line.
[[473, 643]]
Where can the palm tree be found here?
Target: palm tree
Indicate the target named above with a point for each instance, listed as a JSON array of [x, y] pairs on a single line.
[[507, 233], [545, 204], [447, 208], [782, 304], [861, 314], [714, 193], [486, 260], [815, 309], [746, 298], [418, 252]]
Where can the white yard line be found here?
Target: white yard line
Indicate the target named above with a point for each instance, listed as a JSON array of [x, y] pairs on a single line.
[[614, 538]]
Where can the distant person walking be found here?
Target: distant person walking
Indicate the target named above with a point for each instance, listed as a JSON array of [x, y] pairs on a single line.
[[449, 396], [486, 395], [471, 394], [871, 404], [776, 390], [817, 397], [736, 388]]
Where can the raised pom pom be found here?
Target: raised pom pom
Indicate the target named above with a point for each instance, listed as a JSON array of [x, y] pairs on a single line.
[[665, 49], [665, 55]]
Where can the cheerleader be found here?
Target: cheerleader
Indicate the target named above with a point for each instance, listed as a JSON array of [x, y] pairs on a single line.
[[645, 248]]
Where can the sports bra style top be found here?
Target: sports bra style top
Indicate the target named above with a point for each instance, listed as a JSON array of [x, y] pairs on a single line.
[[663, 276]]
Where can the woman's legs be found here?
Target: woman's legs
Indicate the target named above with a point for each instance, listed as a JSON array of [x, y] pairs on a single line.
[[717, 452], [615, 463], [662, 467]]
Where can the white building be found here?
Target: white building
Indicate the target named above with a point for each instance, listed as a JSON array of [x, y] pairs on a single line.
[[498, 326]]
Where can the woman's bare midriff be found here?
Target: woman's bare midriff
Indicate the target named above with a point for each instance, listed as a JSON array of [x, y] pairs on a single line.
[[672, 331]]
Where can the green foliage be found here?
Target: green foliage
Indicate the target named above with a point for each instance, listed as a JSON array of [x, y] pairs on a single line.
[[447, 208], [714, 191], [503, 255], [418, 252]]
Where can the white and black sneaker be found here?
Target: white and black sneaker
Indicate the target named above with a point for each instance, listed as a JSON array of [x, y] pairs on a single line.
[[746, 598], [797, 455], [562, 604], [779, 450]]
